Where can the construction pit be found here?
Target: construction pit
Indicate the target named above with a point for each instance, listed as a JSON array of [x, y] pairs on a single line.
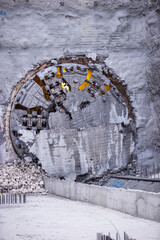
[[79, 118]]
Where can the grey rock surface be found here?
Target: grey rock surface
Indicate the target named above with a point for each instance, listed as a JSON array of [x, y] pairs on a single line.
[[126, 33]]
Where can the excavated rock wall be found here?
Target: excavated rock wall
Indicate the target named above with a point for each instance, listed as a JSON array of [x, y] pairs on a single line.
[[125, 33]]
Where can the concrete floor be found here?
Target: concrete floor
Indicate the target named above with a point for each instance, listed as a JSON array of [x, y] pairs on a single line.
[[54, 218]]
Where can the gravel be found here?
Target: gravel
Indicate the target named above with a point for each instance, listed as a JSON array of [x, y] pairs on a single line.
[[22, 177]]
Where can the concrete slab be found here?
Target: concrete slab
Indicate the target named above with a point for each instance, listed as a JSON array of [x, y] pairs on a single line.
[[54, 218]]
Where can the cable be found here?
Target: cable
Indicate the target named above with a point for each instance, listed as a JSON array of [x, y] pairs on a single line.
[[114, 227]]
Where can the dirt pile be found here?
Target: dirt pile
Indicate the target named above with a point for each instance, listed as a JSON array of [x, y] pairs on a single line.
[[21, 177]]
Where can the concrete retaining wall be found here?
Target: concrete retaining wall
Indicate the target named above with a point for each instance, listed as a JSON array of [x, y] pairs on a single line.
[[134, 202]]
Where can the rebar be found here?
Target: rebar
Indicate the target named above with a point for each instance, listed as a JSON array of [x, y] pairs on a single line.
[[6, 198]]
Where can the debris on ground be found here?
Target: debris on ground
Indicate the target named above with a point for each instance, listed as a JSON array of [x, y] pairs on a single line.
[[22, 177]]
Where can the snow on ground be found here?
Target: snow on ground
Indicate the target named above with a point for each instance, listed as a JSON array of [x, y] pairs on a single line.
[[53, 218]]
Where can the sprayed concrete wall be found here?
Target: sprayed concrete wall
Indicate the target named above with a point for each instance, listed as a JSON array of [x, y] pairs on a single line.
[[126, 34], [134, 202]]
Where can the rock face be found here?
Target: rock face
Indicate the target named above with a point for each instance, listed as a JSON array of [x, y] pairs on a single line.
[[21, 177], [124, 35]]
